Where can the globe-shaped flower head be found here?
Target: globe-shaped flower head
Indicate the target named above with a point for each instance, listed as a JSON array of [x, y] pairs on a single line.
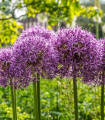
[[5, 61], [101, 65], [11, 71], [77, 53], [33, 49]]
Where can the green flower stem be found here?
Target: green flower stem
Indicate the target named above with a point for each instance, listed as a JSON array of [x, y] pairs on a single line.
[[102, 98], [13, 97], [38, 93], [38, 90], [15, 104], [75, 97], [97, 30], [35, 101]]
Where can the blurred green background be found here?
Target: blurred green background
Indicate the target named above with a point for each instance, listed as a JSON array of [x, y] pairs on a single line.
[[56, 101]]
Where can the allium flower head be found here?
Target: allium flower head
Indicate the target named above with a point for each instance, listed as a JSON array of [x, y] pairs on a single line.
[[11, 69], [5, 61], [21, 76], [33, 49], [77, 52], [39, 31], [101, 65]]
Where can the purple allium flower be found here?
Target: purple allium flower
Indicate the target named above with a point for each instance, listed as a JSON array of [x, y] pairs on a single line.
[[34, 50], [77, 53], [21, 76], [101, 44], [5, 57], [39, 31], [101, 65], [91, 69], [10, 69]]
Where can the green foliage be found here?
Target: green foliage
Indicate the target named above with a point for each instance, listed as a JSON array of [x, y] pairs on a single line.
[[59, 11], [3, 8], [19, 5], [6, 113], [9, 30], [57, 100], [91, 12], [63, 11]]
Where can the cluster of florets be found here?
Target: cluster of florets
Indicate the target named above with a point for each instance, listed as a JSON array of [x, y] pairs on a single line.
[[39, 31], [77, 51], [101, 44], [32, 53], [34, 49], [67, 53], [5, 61], [90, 71], [11, 69], [101, 54]]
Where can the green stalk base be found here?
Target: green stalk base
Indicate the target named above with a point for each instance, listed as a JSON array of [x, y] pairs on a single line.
[[97, 30], [75, 97], [38, 90], [13, 97], [102, 98], [35, 101], [36, 95]]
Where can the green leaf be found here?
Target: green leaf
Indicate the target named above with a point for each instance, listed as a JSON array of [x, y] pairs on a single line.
[[3, 8], [19, 5]]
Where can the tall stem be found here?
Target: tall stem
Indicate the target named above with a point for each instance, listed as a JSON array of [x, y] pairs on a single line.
[[75, 97], [97, 30], [35, 100], [15, 104], [13, 97], [102, 97], [38, 91]]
